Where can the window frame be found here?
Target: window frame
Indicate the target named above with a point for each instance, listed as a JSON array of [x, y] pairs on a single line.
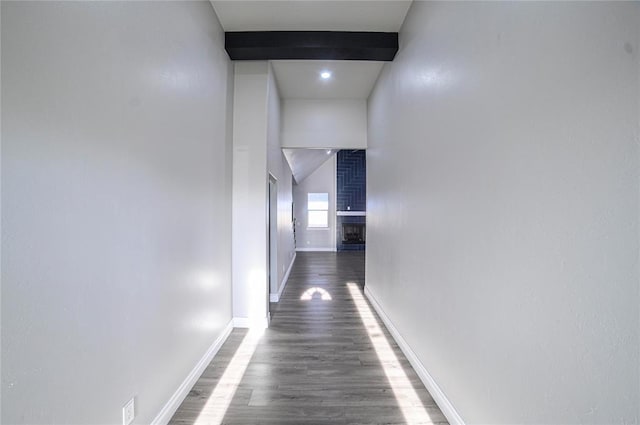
[[311, 210]]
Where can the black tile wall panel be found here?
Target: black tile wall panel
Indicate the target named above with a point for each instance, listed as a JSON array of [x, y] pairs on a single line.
[[351, 193], [351, 180]]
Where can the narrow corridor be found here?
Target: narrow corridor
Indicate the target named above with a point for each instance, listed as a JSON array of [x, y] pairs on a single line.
[[326, 359]]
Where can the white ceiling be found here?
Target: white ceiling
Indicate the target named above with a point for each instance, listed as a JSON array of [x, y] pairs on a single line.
[[349, 79], [301, 79], [303, 162], [311, 15]]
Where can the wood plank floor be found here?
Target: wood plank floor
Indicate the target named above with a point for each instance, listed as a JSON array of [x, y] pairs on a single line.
[[317, 364]]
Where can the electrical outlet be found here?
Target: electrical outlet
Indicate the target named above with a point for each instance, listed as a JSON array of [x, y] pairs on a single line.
[[129, 412]]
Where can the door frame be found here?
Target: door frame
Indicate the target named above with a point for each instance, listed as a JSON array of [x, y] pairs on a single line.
[[272, 236]]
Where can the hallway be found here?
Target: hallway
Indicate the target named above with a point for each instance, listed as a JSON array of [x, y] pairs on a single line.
[[326, 359]]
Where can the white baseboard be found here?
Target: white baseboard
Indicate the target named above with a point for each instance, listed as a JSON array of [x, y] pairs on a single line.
[[274, 298], [438, 395], [245, 322], [316, 249], [181, 393]]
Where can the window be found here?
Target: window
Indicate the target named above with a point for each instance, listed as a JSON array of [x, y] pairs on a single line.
[[318, 209]]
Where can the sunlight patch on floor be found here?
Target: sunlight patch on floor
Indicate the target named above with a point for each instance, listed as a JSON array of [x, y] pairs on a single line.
[[218, 403], [311, 292], [408, 401]]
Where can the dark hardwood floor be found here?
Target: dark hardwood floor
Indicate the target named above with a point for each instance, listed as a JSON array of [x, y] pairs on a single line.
[[322, 361]]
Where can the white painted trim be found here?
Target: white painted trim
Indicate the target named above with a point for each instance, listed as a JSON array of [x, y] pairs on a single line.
[[334, 234], [316, 249], [436, 392], [245, 322], [167, 411], [351, 213], [274, 298], [240, 322]]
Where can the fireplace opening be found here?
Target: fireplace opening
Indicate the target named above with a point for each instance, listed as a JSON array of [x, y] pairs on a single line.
[[353, 233]]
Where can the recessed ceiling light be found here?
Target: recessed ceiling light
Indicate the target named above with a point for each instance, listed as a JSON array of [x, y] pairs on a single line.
[[325, 75], [329, 152]]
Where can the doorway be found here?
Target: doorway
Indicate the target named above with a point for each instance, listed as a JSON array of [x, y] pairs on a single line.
[[272, 223]]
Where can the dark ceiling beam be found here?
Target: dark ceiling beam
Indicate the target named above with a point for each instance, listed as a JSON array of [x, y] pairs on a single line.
[[319, 45]]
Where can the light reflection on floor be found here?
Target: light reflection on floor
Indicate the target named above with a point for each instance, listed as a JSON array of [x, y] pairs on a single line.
[[408, 401], [309, 294], [217, 404]]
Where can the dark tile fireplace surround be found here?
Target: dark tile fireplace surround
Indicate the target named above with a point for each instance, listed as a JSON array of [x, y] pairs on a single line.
[[351, 200]]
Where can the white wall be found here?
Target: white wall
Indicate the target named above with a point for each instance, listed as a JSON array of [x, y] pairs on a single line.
[[322, 180], [250, 183], [324, 123], [279, 168], [257, 152], [503, 206], [115, 205]]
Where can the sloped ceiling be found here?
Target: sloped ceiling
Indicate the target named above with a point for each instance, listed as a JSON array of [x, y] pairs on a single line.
[[303, 162]]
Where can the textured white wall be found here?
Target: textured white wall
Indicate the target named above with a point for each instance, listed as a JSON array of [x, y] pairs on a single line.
[[503, 206], [257, 152], [322, 180], [324, 123], [279, 168], [115, 205], [250, 180]]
